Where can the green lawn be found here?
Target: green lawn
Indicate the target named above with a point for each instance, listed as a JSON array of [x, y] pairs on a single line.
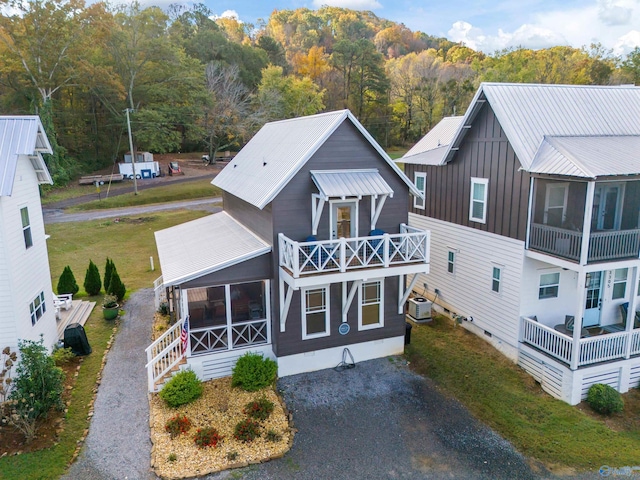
[[165, 193], [503, 396], [57, 194]]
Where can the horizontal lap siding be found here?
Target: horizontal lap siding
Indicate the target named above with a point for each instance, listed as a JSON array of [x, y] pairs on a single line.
[[485, 153], [344, 149], [257, 268], [256, 220], [468, 291]]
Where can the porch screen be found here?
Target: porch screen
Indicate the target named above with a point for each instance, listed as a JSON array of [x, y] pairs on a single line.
[[247, 302]]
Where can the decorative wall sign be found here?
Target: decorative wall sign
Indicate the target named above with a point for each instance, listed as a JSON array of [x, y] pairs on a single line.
[[344, 328]]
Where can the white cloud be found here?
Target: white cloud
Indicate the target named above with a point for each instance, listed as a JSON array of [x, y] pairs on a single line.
[[352, 4], [614, 13], [627, 42]]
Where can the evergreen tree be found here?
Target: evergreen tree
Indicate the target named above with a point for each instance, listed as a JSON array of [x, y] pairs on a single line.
[[116, 287], [92, 282], [108, 269], [67, 282]]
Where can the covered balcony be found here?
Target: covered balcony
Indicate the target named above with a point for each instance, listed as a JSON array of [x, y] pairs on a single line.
[[585, 222]]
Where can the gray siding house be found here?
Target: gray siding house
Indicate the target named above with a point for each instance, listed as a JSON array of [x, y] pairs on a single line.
[[309, 256], [533, 201]]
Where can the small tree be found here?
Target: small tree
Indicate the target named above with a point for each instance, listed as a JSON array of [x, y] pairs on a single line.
[[116, 287], [92, 282], [37, 388], [108, 270], [67, 282]]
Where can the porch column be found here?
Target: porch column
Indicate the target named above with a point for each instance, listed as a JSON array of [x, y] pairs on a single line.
[[586, 225], [577, 325], [631, 311], [529, 213]]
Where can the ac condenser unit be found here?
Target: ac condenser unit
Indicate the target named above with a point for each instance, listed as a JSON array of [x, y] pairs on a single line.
[[420, 308]]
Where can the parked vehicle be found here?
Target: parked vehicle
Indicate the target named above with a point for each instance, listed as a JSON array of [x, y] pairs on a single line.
[[174, 169]]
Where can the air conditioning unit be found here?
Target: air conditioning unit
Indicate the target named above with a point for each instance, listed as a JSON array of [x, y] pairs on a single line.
[[420, 308]]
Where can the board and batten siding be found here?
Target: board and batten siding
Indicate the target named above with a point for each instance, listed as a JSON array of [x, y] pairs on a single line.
[[346, 148], [467, 291], [484, 153], [27, 269]]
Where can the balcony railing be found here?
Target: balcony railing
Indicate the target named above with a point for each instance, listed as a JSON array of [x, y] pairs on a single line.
[[601, 348], [340, 255], [607, 245], [216, 338]]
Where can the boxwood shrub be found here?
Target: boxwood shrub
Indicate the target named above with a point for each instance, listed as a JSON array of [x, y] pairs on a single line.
[[253, 372], [183, 388], [604, 399]]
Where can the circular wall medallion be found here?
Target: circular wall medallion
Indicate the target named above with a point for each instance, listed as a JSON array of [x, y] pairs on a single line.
[[344, 328]]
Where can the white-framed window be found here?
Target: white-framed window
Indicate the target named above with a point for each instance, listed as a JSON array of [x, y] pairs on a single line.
[[371, 301], [26, 227], [496, 279], [315, 312], [420, 180], [37, 308], [555, 204], [619, 283], [549, 284], [478, 202], [451, 261]]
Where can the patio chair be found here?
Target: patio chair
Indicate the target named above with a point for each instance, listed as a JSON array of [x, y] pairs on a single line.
[[624, 307]]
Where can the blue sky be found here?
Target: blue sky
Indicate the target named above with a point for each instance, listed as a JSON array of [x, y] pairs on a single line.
[[484, 25]]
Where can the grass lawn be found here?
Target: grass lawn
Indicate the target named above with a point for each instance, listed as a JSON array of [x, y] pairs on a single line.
[[503, 396], [168, 192], [73, 190]]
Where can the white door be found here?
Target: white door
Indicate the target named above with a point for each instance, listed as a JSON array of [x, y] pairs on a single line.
[[607, 201], [555, 204], [593, 303], [344, 219]]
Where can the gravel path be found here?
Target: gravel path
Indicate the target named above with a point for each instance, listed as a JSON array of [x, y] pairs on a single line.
[[118, 445]]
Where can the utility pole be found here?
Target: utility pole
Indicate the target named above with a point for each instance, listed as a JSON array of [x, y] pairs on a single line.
[[133, 155]]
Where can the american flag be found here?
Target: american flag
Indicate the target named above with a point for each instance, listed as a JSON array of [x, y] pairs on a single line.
[[184, 334]]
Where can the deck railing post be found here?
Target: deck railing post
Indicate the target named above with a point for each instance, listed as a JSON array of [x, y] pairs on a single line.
[[149, 371], [296, 259], [343, 255], [386, 250]]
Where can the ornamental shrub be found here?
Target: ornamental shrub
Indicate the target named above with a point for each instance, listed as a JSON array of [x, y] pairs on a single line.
[[273, 436], [177, 425], [253, 372], [259, 409], [67, 282], [92, 282], [207, 437], [247, 430], [61, 356], [604, 399], [108, 270], [183, 388], [116, 287], [37, 388]]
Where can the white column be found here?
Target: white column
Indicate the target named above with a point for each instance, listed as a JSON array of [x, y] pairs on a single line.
[[586, 226], [577, 326], [631, 311]]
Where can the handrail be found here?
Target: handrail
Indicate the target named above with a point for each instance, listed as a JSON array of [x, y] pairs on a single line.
[[164, 353]]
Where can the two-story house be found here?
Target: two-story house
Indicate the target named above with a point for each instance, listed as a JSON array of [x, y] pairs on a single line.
[[533, 201], [26, 298], [309, 256]]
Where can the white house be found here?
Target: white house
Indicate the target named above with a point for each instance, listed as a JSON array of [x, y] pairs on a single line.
[[26, 298], [533, 201]]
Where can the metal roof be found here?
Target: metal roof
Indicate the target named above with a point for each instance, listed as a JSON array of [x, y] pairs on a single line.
[[278, 151], [22, 136], [589, 157], [350, 183], [183, 255], [430, 149], [529, 112]]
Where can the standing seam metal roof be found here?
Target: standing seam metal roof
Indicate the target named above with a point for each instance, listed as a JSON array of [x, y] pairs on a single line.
[[350, 183], [21, 136], [278, 151]]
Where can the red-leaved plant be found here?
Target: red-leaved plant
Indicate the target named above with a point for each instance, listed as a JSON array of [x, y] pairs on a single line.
[[177, 425], [207, 437]]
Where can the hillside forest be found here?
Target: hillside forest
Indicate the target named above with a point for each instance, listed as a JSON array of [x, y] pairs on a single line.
[[193, 82]]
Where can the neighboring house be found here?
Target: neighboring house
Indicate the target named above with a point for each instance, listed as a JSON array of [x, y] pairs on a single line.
[[309, 256], [26, 298], [533, 201]]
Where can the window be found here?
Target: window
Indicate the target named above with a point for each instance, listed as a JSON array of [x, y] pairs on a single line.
[[555, 204], [37, 308], [549, 283], [619, 283], [478, 205], [420, 179], [315, 313], [496, 279], [26, 227], [371, 305], [451, 261]]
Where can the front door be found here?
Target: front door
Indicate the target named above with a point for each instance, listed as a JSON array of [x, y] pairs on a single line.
[[593, 302], [343, 220]]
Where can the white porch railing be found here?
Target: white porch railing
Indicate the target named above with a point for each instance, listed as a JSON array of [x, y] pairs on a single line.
[[596, 349], [216, 339], [609, 245], [164, 354], [160, 293], [340, 255]]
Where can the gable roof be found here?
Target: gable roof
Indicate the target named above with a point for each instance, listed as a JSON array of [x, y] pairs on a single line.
[[431, 148], [530, 112], [184, 257], [22, 135], [277, 152]]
